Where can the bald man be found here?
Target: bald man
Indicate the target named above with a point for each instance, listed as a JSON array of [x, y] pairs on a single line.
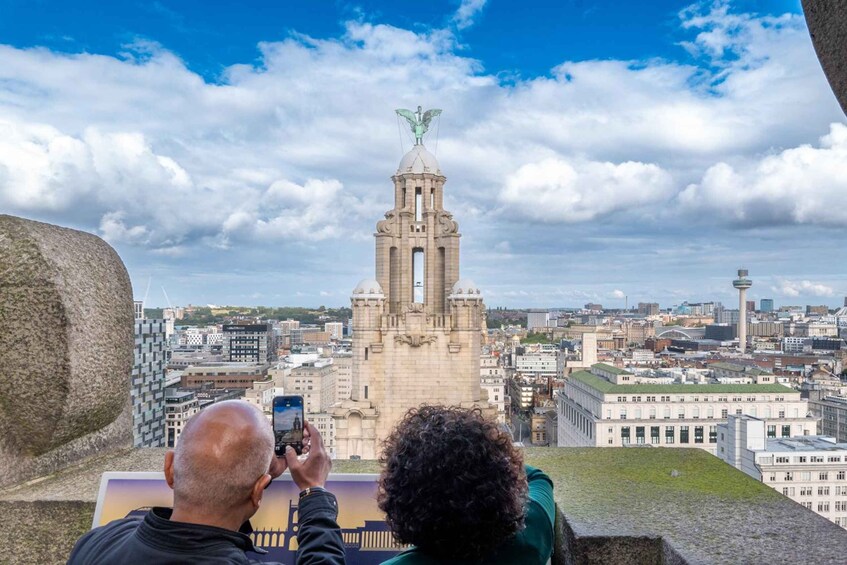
[[219, 470]]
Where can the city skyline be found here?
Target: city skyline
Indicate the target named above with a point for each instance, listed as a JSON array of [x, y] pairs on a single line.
[[590, 170]]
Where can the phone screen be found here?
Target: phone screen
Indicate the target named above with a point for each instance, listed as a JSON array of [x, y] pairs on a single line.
[[288, 423]]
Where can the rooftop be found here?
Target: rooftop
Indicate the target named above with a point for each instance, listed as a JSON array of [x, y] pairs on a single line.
[[653, 505], [610, 369], [604, 386], [805, 443]]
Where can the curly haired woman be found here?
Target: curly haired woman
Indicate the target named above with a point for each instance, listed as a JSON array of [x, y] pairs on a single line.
[[455, 488]]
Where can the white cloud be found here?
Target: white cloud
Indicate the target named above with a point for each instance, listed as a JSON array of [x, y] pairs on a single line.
[[467, 12], [619, 294], [801, 185], [298, 147], [794, 289], [557, 190]]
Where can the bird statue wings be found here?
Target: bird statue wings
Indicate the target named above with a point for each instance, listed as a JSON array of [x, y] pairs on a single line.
[[418, 121]]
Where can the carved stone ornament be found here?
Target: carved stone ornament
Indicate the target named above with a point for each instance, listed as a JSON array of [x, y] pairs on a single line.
[[415, 308], [448, 225], [386, 226], [415, 340]]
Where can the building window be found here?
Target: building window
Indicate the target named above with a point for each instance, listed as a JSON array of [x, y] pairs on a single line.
[[823, 491], [366, 354], [786, 431], [366, 392], [782, 459], [789, 476], [639, 434], [839, 476], [654, 434], [724, 413], [771, 431], [669, 434], [713, 434], [683, 434], [698, 434], [823, 506], [623, 414], [625, 435], [823, 476]]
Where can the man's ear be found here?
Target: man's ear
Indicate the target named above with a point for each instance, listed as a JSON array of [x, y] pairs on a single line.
[[169, 468], [259, 489]]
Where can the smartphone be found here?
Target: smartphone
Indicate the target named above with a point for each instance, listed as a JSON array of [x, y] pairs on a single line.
[[288, 424]]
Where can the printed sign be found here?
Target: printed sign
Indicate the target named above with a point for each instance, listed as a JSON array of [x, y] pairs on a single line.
[[367, 539]]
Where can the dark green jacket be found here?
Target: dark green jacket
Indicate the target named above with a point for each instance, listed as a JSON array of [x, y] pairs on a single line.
[[532, 545]]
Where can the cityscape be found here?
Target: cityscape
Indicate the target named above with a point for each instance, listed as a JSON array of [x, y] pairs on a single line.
[[664, 300]]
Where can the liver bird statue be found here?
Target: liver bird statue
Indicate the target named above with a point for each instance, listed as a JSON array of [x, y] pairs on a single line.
[[418, 121]]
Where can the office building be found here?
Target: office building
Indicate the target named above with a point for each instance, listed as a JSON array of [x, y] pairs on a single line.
[[492, 379], [766, 305], [811, 470], [148, 382], [248, 343], [648, 308], [335, 330], [832, 410], [180, 405], [536, 319], [610, 407], [224, 375]]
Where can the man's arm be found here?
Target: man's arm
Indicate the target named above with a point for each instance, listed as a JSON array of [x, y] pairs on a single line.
[[319, 537]]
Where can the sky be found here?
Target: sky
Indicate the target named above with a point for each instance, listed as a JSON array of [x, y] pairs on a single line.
[[604, 151]]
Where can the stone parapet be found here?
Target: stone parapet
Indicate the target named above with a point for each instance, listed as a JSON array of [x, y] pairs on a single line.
[[66, 348], [615, 506]]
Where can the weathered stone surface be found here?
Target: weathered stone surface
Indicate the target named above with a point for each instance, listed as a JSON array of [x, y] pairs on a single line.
[[616, 506], [65, 348], [827, 21]]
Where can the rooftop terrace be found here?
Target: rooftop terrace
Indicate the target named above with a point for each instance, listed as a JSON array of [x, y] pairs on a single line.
[[616, 505]]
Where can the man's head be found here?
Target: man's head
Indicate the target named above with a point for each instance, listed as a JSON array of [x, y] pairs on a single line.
[[452, 483], [220, 465]]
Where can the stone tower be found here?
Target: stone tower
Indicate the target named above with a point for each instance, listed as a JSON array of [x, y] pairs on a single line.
[[417, 327]]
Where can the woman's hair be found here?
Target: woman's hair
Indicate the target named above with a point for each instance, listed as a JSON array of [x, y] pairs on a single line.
[[452, 483]]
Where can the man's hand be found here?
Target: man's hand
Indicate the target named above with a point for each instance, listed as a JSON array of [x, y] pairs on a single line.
[[278, 466], [314, 470]]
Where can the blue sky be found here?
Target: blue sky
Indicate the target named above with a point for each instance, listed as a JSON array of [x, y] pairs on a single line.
[[240, 152]]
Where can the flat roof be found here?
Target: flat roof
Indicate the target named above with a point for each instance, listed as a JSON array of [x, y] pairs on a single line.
[[607, 387], [804, 443], [611, 369]]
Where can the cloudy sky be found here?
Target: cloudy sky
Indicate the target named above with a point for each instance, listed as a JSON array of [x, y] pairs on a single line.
[[240, 153]]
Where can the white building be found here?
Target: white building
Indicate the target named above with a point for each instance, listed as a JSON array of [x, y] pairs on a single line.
[[335, 330], [343, 363], [607, 407], [180, 405], [536, 364], [792, 344], [147, 386], [492, 379], [811, 470], [537, 319]]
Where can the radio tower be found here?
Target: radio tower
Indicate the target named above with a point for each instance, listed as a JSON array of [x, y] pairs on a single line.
[[742, 283]]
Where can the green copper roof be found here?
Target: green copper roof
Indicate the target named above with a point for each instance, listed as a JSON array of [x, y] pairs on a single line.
[[604, 386]]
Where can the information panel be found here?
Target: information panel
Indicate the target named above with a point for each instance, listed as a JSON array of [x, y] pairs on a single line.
[[367, 539]]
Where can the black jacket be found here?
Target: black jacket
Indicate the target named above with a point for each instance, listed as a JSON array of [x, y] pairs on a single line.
[[155, 539]]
